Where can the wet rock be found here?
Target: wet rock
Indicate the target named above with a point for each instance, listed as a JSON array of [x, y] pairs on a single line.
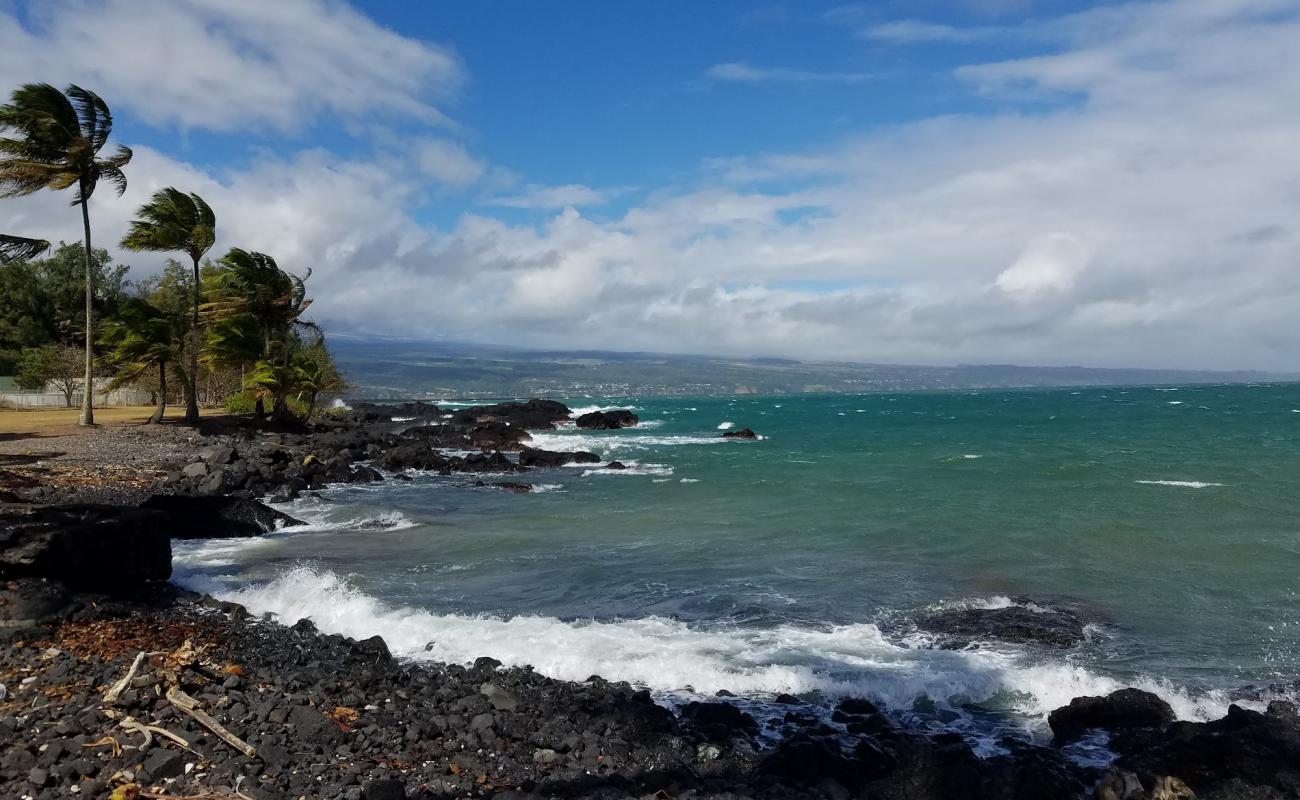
[[607, 420], [1127, 708], [217, 517], [533, 414], [547, 459], [743, 433], [961, 627], [514, 487], [616, 465], [718, 721], [108, 548], [1244, 754]]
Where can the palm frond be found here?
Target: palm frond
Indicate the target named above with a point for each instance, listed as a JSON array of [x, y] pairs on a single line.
[[18, 248]]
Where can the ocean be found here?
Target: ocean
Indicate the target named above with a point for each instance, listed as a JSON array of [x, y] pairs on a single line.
[[1168, 518]]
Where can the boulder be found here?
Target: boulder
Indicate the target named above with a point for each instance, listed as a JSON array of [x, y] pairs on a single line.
[[607, 420], [1127, 708], [217, 517], [548, 459], [743, 433], [105, 548], [960, 627], [719, 721]]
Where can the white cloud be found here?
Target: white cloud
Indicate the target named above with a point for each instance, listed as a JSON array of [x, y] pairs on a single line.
[[1150, 220], [230, 65], [534, 196], [448, 162], [740, 72], [911, 31]]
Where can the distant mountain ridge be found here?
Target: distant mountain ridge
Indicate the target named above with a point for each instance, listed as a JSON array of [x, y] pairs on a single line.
[[406, 368]]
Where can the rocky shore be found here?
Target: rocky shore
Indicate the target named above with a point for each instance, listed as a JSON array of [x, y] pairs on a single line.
[[118, 684]]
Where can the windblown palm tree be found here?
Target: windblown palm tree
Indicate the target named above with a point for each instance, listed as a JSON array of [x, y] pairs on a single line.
[[142, 337], [173, 221], [54, 144], [19, 248], [256, 307]]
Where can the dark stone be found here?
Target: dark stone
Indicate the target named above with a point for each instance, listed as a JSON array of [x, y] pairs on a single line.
[[856, 706], [386, 789], [963, 626], [217, 517], [1243, 754], [514, 487], [607, 420], [616, 465], [375, 650], [788, 700], [1127, 708], [161, 764], [743, 433], [312, 726], [534, 414], [108, 548], [546, 459], [719, 721]]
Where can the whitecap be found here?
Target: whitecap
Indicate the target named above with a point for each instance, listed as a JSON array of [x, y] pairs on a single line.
[[690, 480], [1184, 484], [726, 426], [668, 656]]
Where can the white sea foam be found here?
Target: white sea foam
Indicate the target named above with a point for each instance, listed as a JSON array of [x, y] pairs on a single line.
[[972, 455], [338, 403], [574, 413], [1184, 484], [617, 440], [726, 426], [669, 656], [689, 480], [1175, 402], [632, 468], [541, 488]]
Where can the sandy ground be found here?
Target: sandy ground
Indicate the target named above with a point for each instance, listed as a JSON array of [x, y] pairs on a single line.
[[63, 421]]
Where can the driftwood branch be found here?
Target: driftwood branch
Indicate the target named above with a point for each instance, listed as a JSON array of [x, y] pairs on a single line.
[[190, 706], [113, 693]]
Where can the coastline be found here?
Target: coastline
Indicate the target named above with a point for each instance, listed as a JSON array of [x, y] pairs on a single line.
[[625, 745]]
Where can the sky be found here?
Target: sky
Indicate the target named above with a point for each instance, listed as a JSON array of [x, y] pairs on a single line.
[[1039, 182]]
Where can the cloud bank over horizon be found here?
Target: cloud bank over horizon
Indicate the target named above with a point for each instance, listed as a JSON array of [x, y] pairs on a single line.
[[1126, 194]]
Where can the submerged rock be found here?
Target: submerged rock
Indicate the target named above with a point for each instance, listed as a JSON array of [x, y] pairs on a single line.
[[961, 627], [217, 517]]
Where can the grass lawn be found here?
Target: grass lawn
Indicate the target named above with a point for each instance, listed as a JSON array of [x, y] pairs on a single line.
[[63, 421]]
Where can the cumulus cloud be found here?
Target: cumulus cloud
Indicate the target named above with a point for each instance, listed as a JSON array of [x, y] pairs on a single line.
[[740, 72], [448, 162], [1145, 217], [230, 64], [911, 31]]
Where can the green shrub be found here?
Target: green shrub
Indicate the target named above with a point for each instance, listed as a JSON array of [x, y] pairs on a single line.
[[239, 403]]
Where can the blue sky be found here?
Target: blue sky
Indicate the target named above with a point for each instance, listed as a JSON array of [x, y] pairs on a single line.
[[933, 182]]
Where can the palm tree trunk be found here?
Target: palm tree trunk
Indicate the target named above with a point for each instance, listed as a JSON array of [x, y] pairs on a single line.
[[192, 401], [161, 408], [88, 386]]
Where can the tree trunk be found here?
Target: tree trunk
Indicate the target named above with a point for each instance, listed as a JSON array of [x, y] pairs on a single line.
[[88, 387], [192, 401], [161, 408], [311, 407]]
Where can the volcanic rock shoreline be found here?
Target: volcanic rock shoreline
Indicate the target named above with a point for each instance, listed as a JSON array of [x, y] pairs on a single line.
[[111, 675]]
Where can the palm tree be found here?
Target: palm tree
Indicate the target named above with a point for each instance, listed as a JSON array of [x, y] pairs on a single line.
[[173, 221], [19, 248], [256, 306], [58, 136], [142, 337]]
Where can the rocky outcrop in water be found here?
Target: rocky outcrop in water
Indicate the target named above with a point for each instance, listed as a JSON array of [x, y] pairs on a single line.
[[607, 420], [959, 628], [743, 433], [1127, 709], [217, 516], [531, 414], [548, 459]]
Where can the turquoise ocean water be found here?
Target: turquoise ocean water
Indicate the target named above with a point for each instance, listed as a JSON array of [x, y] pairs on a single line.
[[1169, 517]]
